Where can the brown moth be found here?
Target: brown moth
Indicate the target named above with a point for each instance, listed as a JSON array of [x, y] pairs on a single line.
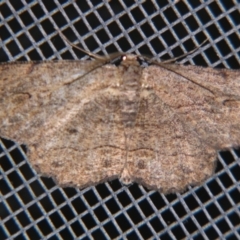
[[84, 122]]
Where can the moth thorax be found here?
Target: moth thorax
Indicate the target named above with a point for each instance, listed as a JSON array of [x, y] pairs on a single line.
[[131, 78]]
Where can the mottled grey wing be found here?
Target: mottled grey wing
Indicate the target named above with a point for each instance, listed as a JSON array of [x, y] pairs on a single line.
[[32, 92], [207, 100], [188, 114], [60, 111]]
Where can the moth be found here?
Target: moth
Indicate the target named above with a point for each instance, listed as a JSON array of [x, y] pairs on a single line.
[[85, 122]]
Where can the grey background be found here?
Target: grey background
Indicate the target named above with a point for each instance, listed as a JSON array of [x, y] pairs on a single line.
[[34, 207]]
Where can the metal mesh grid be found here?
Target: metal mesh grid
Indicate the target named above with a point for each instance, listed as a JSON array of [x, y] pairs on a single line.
[[34, 207]]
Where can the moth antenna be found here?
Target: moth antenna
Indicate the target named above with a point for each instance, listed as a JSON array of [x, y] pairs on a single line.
[[150, 60], [96, 56], [185, 54]]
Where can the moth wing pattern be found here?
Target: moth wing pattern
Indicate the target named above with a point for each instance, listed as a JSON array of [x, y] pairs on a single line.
[[56, 109]]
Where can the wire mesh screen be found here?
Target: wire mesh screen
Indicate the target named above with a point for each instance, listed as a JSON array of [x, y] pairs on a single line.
[[35, 207]]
